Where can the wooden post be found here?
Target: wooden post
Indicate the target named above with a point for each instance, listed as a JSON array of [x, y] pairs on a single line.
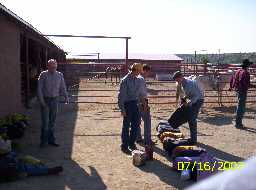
[[46, 57], [126, 53], [27, 91], [98, 57], [38, 58], [195, 57]]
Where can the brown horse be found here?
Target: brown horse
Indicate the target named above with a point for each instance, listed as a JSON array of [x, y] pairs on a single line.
[[114, 72]]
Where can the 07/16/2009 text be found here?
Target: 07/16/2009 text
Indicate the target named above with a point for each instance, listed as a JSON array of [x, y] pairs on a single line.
[[210, 166]]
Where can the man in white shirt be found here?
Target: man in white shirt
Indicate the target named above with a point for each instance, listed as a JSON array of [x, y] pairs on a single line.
[[50, 85]]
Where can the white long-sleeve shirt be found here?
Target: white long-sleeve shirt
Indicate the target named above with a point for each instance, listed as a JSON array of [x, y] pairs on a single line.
[[51, 85]]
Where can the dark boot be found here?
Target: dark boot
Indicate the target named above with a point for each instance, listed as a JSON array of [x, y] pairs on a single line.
[[55, 170]]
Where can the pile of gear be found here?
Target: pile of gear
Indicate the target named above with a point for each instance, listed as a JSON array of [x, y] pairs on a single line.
[[13, 167], [13, 126], [192, 161]]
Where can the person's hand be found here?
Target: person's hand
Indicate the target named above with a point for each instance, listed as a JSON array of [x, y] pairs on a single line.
[[123, 113], [185, 104]]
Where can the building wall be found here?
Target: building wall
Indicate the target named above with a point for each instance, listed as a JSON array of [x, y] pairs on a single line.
[[10, 88], [164, 67]]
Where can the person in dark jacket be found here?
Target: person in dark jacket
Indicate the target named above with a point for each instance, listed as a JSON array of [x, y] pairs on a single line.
[[240, 82]]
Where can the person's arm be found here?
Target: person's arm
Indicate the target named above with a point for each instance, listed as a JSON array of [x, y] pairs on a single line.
[[143, 95], [245, 81], [40, 85], [193, 100], [143, 89], [122, 96], [231, 82], [63, 88], [178, 92]]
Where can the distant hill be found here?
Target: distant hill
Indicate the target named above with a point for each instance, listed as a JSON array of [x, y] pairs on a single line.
[[224, 58]]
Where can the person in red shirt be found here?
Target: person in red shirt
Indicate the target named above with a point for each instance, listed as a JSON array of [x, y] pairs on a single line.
[[240, 82]]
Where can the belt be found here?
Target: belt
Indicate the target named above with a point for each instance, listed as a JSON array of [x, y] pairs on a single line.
[[131, 101]]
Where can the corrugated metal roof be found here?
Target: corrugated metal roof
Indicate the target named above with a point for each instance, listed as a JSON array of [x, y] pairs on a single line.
[[134, 56], [23, 22]]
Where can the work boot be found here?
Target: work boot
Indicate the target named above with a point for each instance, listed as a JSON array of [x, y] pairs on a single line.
[[132, 147], [54, 144], [125, 150], [55, 170]]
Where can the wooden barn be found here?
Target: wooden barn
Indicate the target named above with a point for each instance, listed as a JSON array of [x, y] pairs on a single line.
[[24, 52], [159, 63]]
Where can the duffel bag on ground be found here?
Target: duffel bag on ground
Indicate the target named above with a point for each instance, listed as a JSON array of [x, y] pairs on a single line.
[[170, 143], [165, 127], [189, 153], [178, 149], [170, 134]]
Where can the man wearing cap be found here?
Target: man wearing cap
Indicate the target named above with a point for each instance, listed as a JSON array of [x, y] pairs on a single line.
[[195, 97], [128, 97], [240, 82], [50, 85]]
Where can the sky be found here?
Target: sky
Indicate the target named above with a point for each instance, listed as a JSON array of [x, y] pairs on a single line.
[[155, 26]]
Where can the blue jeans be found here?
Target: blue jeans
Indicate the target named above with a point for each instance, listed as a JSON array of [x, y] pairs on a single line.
[[240, 110], [32, 170], [146, 117], [48, 117], [132, 120], [192, 119], [38, 169]]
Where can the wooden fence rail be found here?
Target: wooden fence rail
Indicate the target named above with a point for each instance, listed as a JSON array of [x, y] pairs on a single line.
[[152, 103]]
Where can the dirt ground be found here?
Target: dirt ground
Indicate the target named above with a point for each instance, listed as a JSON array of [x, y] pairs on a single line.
[[89, 135]]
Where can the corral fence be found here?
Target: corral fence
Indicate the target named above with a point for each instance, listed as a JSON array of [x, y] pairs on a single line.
[[164, 95]]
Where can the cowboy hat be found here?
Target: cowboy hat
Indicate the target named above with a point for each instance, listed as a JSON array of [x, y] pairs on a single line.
[[176, 75], [246, 63]]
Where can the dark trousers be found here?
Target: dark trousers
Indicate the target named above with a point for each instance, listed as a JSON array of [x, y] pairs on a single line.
[[240, 110], [130, 124], [192, 119]]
